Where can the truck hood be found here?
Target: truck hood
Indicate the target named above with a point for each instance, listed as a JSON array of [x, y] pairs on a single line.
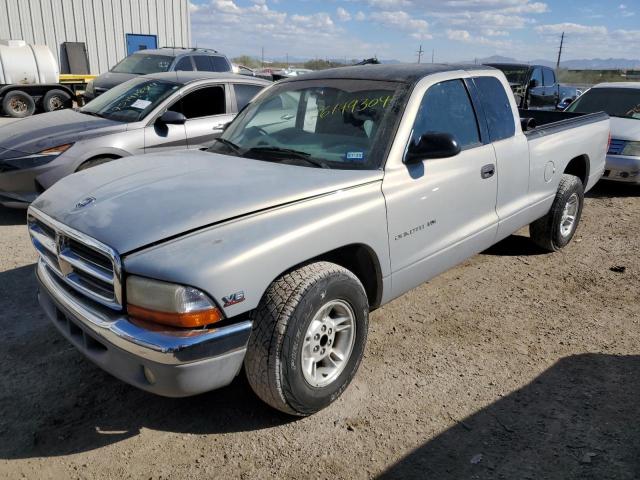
[[625, 129], [140, 200], [39, 132]]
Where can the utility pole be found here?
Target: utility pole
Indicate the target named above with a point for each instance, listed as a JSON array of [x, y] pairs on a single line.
[[560, 51], [262, 57], [433, 54], [420, 52], [287, 60]]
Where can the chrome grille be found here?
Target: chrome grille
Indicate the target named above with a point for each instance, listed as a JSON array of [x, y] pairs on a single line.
[[85, 264]]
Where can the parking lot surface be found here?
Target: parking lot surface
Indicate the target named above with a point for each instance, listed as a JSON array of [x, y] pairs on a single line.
[[516, 364]]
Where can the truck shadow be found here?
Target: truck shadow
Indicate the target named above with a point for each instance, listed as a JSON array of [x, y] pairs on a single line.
[[12, 216], [604, 189], [514, 246], [579, 419], [56, 402]]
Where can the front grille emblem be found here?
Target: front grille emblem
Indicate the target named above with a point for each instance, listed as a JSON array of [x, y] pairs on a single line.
[[83, 203]]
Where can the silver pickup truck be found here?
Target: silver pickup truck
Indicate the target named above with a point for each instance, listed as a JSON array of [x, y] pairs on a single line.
[[328, 196]]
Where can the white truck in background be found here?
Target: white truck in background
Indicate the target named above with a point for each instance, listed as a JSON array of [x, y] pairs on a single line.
[[29, 80]]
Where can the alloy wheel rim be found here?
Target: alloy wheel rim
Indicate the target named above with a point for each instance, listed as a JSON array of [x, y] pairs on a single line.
[[328, 343], [569, 215]]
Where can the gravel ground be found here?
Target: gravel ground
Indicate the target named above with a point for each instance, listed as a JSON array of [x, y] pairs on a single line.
[[516, 364]]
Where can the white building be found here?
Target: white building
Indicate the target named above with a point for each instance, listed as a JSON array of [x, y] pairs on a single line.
[[109, 29]]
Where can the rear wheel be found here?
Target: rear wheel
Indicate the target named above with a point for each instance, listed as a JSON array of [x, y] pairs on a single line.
[[56, 100], [556, 229], [18, 104], [308, 338]]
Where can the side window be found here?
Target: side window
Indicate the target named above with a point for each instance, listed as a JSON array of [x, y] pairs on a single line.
[[446, 108], [184, 65], [549, 77], [244, 93], [497, 108], [220, 64], [537, 76], [203, 63], [203, 102]]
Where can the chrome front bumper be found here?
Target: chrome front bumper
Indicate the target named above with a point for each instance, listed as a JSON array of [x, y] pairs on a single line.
[[620, 168], [167, 363]]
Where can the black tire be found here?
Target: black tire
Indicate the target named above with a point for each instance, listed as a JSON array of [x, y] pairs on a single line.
[[280, 323], [18, 104], [94, 162], [547, 231], [56, 100]]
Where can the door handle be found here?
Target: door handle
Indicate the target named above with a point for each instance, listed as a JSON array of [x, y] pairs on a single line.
[[488, 171]]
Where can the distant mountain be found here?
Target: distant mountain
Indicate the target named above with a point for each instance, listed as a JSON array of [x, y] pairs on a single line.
[[583, 64]]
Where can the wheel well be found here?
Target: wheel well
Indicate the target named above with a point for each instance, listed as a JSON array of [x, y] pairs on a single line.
[[363, 262], [96, 157], [579, 167]]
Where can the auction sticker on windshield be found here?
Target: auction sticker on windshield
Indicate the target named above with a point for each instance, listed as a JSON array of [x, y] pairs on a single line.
[[141, 104]]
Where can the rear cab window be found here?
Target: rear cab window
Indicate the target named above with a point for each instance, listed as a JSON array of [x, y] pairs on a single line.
[[497, 108]]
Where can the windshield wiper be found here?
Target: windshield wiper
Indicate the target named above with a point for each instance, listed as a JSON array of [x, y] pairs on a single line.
[[91, 113], [229, 144], [297, 154]]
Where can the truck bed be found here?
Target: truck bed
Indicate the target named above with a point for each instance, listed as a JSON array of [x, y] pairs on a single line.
[[548, 121]]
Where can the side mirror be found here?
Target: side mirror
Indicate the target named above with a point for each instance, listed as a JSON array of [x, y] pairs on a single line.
[[172, 118], [533, 83], [432, 145]]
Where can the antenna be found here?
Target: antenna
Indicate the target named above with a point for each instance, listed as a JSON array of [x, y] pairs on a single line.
[[420, 52], [560, 51]]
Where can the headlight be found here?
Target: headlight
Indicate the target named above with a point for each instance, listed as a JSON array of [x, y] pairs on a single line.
[[632, 149], [56, 150], [36, 159], [170, 304]]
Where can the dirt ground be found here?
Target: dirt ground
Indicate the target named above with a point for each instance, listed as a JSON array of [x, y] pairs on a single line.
[[516, 365]]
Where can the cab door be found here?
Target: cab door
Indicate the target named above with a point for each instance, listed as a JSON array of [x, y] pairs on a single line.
[[551, 92], [208, 110], [536, 89], [161, 137], [440, 211]]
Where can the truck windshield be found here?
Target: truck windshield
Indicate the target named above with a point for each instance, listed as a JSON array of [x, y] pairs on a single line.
[[617, 102], [142, 64], [515, 75], [323, 123], [130, 101]]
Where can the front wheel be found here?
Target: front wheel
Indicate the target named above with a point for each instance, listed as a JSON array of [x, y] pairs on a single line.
[[556, 229], [309, 335]]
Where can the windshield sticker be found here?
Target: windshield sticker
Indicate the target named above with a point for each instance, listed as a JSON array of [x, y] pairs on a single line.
[[356, 105], [355, 156], [141, 104]]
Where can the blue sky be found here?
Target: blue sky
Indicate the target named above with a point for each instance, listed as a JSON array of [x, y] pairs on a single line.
[[393, 29]]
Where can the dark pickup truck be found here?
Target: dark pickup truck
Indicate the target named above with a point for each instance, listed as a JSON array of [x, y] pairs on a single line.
[[536, 86]]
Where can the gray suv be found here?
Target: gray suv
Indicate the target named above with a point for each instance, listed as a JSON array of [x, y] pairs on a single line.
[[165, 59]]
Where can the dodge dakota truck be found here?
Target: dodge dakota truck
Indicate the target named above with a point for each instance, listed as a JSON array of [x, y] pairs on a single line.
[[329, 195]]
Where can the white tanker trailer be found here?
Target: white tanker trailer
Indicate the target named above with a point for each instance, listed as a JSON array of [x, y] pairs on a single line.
[[29, 80]]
